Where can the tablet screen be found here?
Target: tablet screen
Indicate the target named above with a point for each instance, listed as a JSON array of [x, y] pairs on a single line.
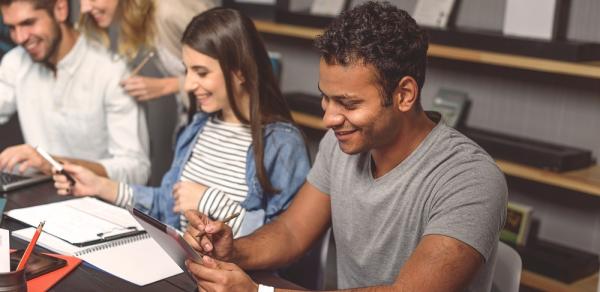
[[168, 238]]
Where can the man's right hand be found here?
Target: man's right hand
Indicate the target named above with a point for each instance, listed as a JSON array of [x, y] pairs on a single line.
[[208, 237], [26, 157]]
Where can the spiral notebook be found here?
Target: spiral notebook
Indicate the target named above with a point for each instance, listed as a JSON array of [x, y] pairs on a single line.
[[137, 259]]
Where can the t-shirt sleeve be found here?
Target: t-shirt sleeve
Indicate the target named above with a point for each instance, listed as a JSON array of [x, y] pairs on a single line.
[[319, 175], [470, 206]]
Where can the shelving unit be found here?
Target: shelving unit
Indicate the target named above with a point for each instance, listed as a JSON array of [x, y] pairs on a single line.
[[587, 70], [585, 180]]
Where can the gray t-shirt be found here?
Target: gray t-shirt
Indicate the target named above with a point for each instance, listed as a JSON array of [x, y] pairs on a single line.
[[447, 186]]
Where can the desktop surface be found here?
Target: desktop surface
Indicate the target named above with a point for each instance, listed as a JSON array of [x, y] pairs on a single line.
[[86, 278]]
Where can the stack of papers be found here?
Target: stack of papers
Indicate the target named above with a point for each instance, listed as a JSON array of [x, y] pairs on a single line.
[[137, 259]]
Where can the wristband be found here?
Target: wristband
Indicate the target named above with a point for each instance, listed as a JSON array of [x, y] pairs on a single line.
[[264, 288]]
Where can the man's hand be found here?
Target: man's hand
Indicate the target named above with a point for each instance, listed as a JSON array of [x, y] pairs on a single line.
[[217, 276], [187, 195], [87, 183], [209, 237], [26, 157], [147, 88]]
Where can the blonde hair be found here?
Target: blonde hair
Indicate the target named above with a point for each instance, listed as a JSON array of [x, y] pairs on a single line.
[[136, 27]]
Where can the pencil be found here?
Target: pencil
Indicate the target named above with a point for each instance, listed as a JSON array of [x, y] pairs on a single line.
[[30, 246], [141, 64], [227, 219]]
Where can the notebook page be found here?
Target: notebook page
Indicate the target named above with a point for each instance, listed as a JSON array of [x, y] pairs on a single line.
[[78, 220], [139, 260]]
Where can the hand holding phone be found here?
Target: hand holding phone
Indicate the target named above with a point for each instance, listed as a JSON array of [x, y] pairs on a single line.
[[55, 164]]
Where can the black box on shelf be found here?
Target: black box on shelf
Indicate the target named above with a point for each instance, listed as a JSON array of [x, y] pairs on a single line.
[[530, 152], [256, 10], [302, 19], [558, 262]]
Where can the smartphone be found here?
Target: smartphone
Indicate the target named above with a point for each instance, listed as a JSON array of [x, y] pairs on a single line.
[[37, 265], [55, 164]]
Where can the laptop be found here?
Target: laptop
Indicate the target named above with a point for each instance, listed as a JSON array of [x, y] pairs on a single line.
[[11, 181]]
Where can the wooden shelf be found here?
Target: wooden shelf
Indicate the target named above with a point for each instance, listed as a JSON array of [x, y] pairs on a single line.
[[587, 70], [537, 281], [308, 120], [585, 180]]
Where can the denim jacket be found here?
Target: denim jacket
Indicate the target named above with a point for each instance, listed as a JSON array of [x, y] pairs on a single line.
[[286, 163]]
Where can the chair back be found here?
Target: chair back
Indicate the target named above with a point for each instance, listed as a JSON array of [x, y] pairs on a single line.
[[507, 270]]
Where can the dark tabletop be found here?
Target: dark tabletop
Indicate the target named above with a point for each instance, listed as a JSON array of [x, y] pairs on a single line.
[[86, 278]]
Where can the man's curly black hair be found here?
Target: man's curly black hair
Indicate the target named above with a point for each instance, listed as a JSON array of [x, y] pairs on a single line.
[[382, 35]]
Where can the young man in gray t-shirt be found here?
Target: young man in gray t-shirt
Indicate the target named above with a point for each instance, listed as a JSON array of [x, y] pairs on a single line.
[[414, 205]]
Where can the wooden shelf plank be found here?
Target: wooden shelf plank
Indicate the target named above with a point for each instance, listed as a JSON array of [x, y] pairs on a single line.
[[588, 70], [544, 283], [585, 180], [514, 61], [308, 120]]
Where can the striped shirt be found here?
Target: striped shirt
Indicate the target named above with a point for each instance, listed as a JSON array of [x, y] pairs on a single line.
[[218, 161]]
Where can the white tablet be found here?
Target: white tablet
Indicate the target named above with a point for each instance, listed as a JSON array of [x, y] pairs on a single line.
[[168, 238]]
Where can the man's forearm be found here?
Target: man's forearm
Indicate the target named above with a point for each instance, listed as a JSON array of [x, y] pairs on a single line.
[[270, 247], [364, 289]]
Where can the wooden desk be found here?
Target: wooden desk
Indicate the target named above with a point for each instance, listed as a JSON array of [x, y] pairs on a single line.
[[86, 278]]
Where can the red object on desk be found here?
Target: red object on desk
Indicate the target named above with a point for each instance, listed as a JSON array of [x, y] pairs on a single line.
[[30, 247], [46, 281]]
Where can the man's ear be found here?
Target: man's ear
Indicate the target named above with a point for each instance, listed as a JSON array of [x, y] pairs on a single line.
[[61, 10], [406, 93]]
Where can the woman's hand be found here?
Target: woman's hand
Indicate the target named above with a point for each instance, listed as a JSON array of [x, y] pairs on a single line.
[[146, 88], [187, 196], [86, 183]]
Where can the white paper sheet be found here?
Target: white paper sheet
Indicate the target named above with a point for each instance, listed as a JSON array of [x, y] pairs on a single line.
[[4, 251]]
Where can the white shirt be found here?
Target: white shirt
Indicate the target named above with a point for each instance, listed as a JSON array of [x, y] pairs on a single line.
[[81, 112]]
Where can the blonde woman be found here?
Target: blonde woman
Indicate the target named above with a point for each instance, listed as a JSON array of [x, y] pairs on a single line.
[[144, 26]]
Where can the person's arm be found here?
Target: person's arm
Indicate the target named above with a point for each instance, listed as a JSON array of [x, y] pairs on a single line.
[[145, 88], [8, 75], [128, 142], [95, 167], [280, 242], [290, 236], [439, 263]]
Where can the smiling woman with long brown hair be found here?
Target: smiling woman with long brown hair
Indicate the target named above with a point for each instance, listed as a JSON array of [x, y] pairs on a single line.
[[241, 153]]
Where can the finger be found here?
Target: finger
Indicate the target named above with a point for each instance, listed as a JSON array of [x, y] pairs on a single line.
[[12, 162], [59, 178], [192, 241], [62, 185], [218, 264], [215, 227], [136, 91], [197, 219], [24, 165], [204, 273], [206, 243]]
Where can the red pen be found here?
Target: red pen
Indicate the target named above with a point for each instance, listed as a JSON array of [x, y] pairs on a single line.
[[30, 246]]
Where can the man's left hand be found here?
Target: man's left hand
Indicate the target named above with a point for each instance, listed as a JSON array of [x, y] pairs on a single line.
[[217, 276]]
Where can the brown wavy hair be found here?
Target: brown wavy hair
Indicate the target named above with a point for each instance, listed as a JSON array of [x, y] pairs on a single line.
[[136, 27]]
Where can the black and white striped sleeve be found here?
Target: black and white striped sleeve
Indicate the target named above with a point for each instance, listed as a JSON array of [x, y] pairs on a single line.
[[124, 196]]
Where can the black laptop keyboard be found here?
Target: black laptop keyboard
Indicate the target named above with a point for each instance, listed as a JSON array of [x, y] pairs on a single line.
[[6, 178]]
